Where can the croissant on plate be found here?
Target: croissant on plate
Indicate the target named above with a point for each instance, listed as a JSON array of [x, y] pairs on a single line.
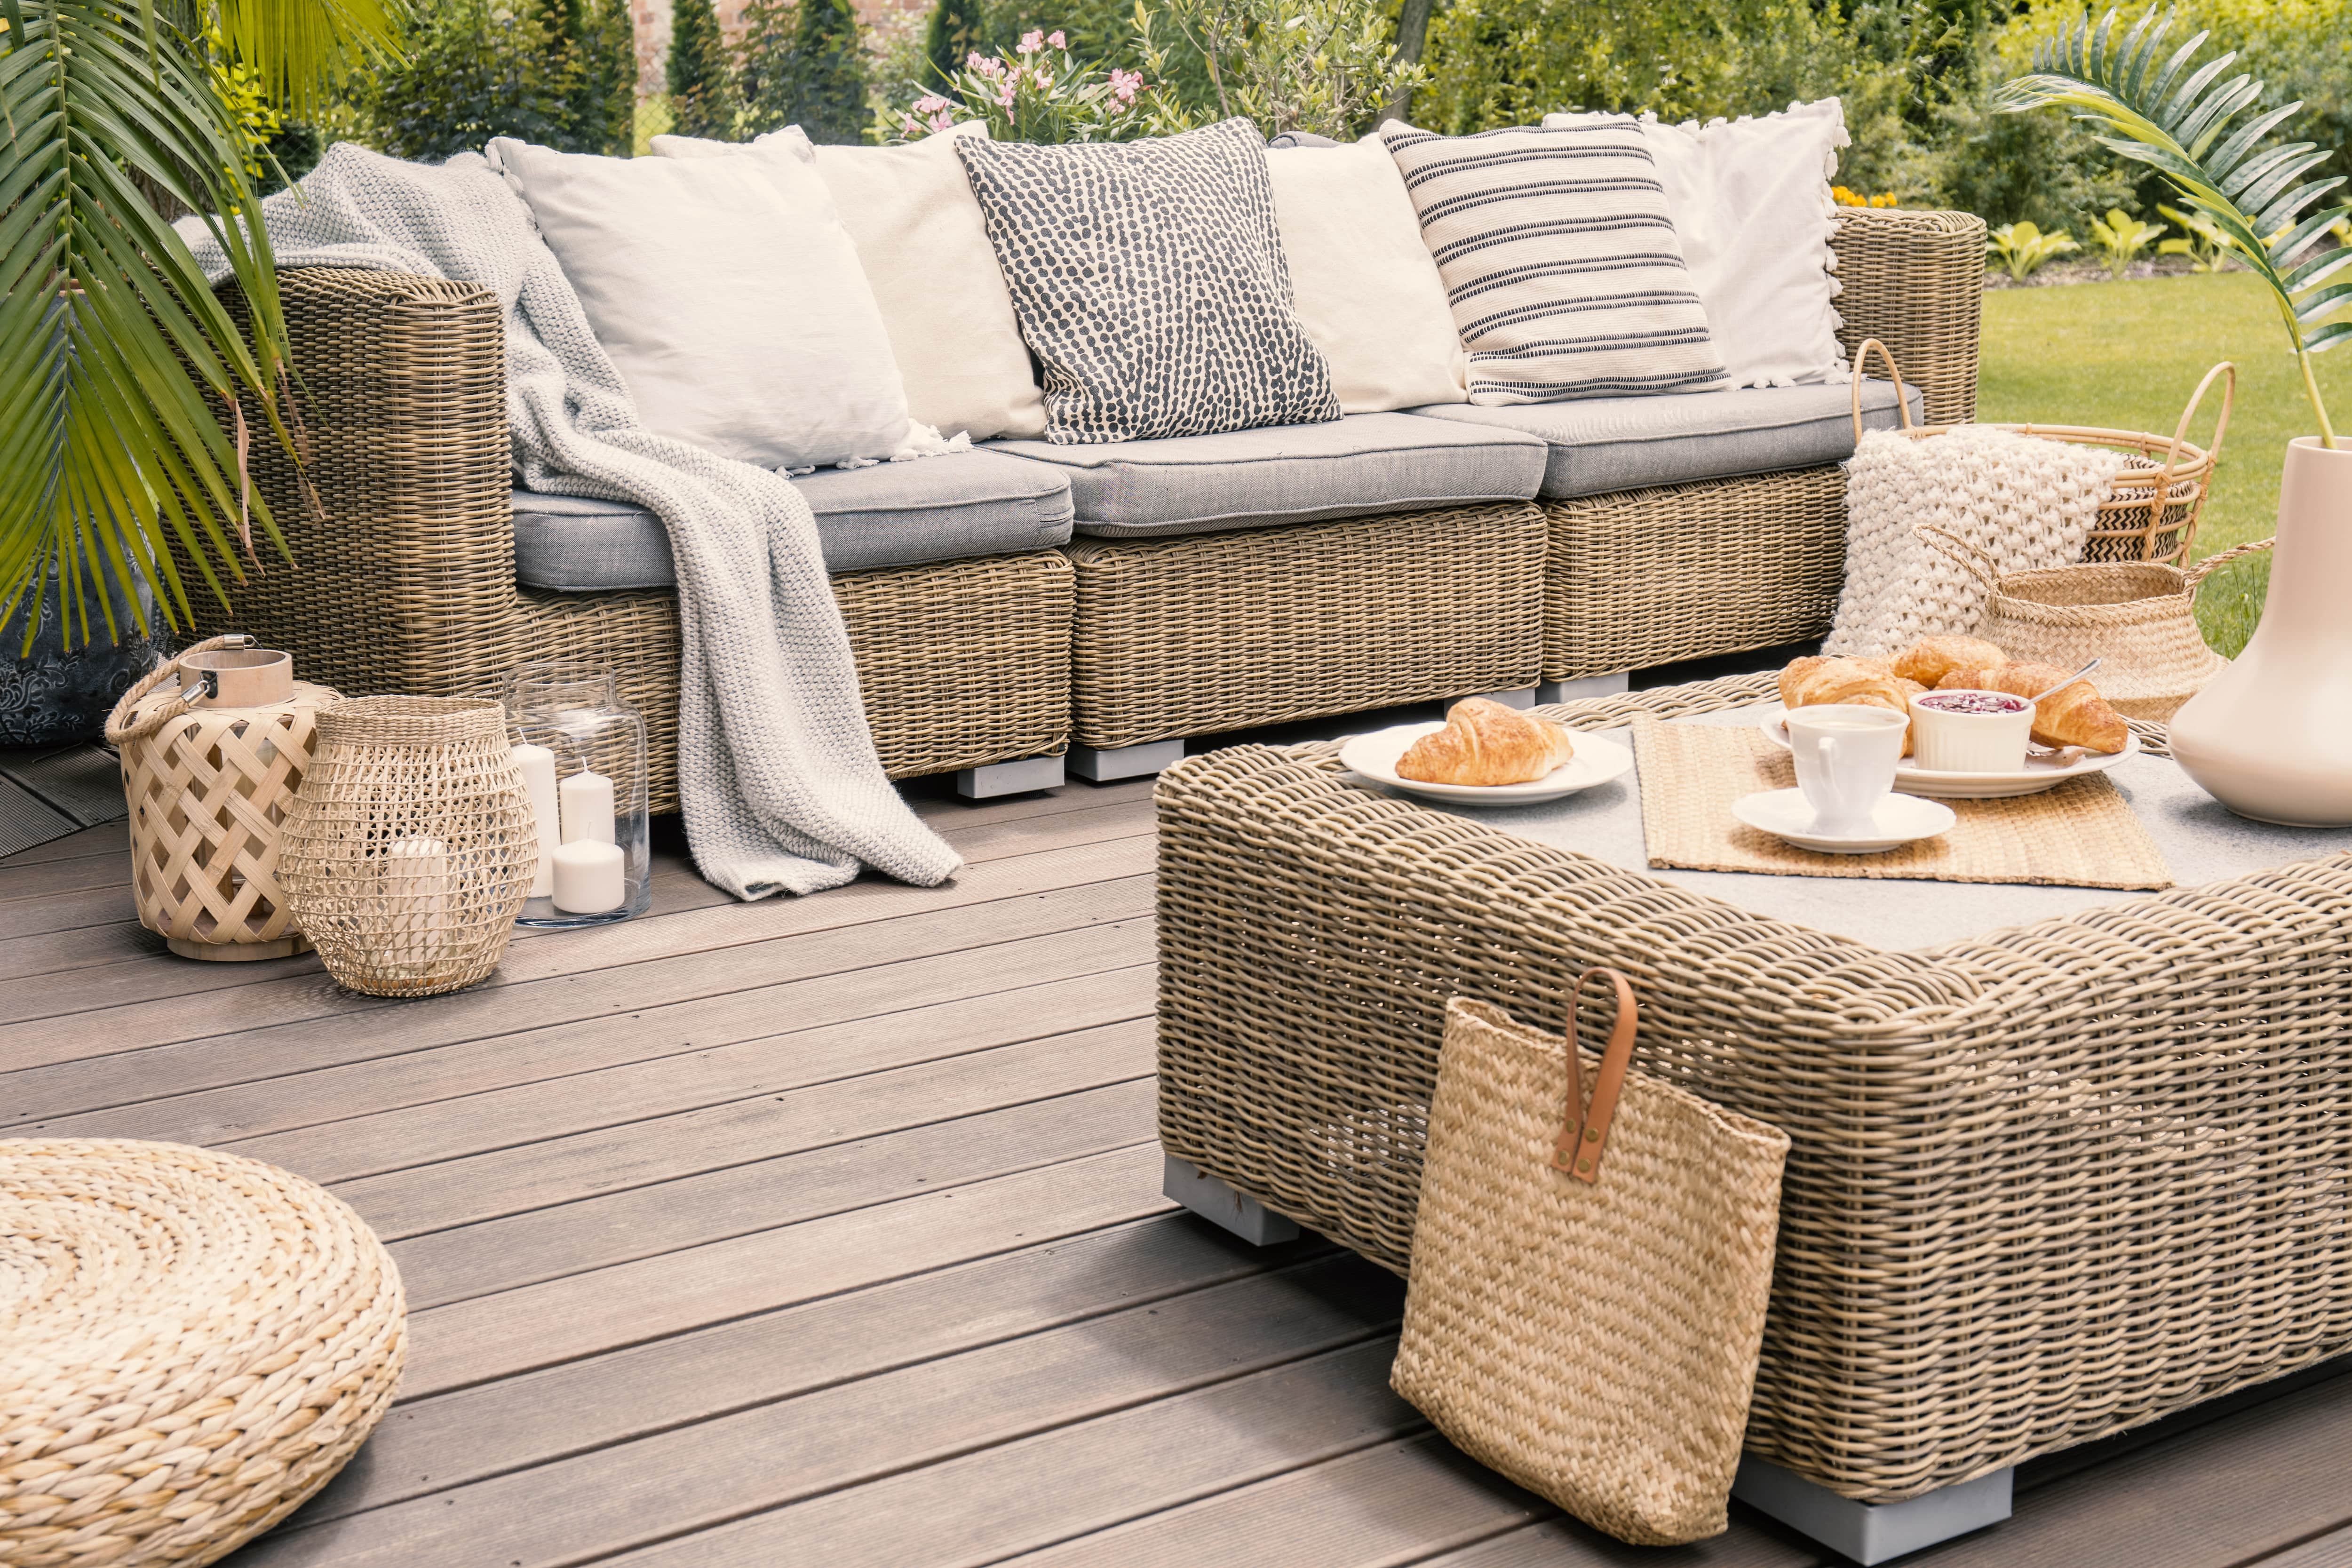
[[1930, 660], [1814, 681], [1485, 742], [2076, 715]]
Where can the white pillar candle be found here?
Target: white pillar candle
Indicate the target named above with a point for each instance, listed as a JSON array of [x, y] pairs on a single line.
[[417, 890], [589, 876], [587, 808], [538, 765]]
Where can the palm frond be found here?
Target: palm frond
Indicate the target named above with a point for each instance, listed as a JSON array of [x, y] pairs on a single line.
[[303, 49], [2197, 132]]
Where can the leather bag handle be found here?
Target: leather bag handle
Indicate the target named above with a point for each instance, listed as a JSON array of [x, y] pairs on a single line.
[[1584, 1132]]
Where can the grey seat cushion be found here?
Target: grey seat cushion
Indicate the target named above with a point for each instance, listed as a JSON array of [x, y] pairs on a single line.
[[892, 514], [1287, 473], [1603, 443]]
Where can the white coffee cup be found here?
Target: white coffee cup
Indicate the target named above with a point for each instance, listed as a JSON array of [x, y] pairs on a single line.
[[1970, 731], [1845, 753]]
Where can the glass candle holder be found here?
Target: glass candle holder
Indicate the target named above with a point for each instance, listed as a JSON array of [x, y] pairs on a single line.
[[581, 751]]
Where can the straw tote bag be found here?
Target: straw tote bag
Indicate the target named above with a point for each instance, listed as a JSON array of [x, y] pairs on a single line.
[[1587, 1299]]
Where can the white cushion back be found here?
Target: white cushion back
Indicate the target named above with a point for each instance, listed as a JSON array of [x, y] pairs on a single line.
[[730, 297]]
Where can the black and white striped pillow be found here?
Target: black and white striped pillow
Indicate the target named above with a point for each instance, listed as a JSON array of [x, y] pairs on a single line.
[[1149, 281], [1560, 259]]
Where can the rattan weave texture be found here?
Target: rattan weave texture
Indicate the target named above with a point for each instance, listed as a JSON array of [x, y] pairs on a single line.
[[1915, 280], [2046, 1184], [1648, 578], [191, 1345], [406, 584], [1216, 631]]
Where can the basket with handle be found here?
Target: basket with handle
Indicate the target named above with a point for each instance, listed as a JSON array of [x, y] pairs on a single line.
[[2154, 505], [2138, 616], [210, 767]]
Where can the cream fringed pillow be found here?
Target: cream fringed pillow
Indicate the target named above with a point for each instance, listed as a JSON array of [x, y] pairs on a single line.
[[1560, 261], [924, 251], [1751, 201], [1364, 286]]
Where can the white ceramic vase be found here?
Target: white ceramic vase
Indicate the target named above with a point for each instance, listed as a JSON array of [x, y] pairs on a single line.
[[2272, 737]]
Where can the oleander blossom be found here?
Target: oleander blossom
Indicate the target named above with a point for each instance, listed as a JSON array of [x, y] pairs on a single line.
[[991, 68], [1125, 85], [930, 104], [1057, 39], [1032, 41]]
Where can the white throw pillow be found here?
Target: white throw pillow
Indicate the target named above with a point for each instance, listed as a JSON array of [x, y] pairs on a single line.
[[1363, 284], [730, 297], [926, 252], [1751, 200]]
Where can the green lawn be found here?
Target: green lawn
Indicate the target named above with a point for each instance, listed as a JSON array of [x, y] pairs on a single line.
[[2129, 354]]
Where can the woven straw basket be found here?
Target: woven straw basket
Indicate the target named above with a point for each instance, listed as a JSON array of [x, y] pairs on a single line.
[[1586, 1304], [2139, 618], [412, 845], [2154, 505]]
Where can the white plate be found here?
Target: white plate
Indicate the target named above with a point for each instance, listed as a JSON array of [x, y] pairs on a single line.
[[1596, 763], [1898, 820], [2040, 772]]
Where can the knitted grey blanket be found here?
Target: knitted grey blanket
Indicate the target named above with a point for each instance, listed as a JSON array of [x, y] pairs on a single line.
[[777, 771]]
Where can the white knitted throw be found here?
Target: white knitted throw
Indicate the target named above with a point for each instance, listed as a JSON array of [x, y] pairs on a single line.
[[2025, 502], [777, 773]]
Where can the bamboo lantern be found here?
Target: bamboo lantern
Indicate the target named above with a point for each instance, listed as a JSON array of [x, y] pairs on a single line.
[[412, 844], [210, 765]]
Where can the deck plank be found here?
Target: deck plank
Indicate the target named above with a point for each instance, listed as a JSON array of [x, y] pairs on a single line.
[[857, 1434], [106, 838], [429, 1445], [575, 992], [633, 1303]]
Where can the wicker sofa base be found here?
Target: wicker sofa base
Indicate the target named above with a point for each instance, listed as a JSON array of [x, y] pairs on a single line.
[[960, 663], [1646, 577], [1206, 633], [2047, 1184]]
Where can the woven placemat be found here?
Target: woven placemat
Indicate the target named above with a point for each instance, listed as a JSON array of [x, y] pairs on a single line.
[[2080, 835]]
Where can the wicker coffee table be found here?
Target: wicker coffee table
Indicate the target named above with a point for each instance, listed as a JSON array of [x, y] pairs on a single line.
[[2048, 1182]]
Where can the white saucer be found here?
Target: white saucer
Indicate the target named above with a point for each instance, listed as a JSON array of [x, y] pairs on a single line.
[[1899, 819], [1375, 757], [2040, 772]]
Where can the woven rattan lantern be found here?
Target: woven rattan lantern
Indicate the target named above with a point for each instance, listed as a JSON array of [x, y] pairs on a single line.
[[412, 844], [210, 764]]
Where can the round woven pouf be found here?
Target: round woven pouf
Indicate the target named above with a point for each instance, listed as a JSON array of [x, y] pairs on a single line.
[[191, 1345]]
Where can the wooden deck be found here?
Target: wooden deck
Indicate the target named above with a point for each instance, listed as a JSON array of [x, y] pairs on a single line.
[[829, 1232]]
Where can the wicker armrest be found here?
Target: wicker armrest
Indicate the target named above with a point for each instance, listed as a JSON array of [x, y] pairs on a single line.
[[1915, 280], [403, 571]]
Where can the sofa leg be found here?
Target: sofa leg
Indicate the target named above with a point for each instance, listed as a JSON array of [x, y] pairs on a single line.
[[988, 782], [1872, 1532], [1584, 686], [1510, 697], [1111, 764], [1220, 1204]]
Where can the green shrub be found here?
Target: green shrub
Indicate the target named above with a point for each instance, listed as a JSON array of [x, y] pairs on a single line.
[[703, 100], [479, 69], [803, 62], [2023, 250], [957, 30]]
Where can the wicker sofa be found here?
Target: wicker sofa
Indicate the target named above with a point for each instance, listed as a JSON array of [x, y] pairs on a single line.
[[406, 574]]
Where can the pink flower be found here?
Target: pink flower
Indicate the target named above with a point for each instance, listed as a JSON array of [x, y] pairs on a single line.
[[991, 68], [941, 122], [929, 103], [1125, 85], [912, 125], [1044, 80], [1006, 97], [1055, 39], [977, 62], [1033, 40]]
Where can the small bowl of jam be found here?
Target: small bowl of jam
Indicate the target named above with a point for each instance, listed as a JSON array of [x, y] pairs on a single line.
[[1970, 731]]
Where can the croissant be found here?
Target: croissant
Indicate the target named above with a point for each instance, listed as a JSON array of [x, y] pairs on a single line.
[[1485, 742], [1814, 681], [2074, 716], [1929, 659]]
